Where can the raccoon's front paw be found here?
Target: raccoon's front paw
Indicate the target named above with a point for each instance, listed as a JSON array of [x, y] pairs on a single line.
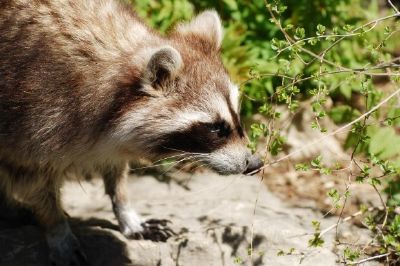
[[154, 230], [133, 227], [129, 222]]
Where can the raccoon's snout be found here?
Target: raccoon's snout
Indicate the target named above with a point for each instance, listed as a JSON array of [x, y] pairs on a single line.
[[253, 163], [234, 160]]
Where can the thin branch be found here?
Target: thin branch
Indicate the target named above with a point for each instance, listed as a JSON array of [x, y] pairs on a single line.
[[351, 34], [321, 56], [383, 204], [393, 6], [363, 71], [369, 259], [333, 226], [357, 29], [290, 40]]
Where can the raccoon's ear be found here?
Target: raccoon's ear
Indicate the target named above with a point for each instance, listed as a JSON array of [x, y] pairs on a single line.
[[207, 25], [163, 65]]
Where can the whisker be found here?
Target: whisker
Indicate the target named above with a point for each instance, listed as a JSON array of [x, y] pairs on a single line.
[[150, 166], [165, 163], [189, 164], [170, 157], [198, 153], [169, 169], [177, 162], [161, 164], [185, 159], [200, 165]]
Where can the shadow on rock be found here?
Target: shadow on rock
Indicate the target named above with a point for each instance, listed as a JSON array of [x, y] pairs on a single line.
[[26, 245]]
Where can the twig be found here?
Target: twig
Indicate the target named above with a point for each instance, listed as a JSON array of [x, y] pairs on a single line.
[[291, 41], [252, 222], [383, 204], [369, 259], [363, 71], [356, 29], [333, 226], [393, 6], [343, 36], [341, 213]]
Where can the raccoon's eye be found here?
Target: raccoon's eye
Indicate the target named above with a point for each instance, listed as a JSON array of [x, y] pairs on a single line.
[[223, 129]]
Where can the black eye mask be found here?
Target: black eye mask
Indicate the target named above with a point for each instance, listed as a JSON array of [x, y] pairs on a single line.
[[222, 129], [200, 138]]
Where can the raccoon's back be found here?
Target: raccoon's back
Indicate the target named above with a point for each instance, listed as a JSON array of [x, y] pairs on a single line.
[[58, 65], [36, 85]]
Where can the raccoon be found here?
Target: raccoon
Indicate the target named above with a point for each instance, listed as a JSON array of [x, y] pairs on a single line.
[[86, 86]]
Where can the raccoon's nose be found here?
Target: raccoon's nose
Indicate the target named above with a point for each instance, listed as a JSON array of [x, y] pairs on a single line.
[[253, 163]]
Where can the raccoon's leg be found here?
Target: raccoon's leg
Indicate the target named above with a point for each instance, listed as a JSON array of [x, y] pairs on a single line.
[[131, 224], [44, 201]]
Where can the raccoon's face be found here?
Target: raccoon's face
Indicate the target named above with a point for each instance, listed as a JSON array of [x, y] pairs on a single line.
[[192, 107]]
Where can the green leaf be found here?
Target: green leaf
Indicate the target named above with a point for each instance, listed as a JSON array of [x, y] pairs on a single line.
[[313, 41], [342, 114], [348, 27], [282, 8], [375, 181], [289, 26], [314, 125], [385, 143], [316, 241], [316, 225], [300, 33], [334, 195], [231, 4], [320, 29], [325, 171], [301, 167], [280, 253], [316, 162], [351, 254], [360, 179]]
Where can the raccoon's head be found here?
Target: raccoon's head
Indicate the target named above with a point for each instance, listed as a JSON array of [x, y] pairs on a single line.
[[189, 105]]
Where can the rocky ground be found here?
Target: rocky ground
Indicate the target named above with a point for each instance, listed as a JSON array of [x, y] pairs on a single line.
[[215, 218]]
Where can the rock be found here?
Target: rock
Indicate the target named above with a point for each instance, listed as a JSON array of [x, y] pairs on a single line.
[[215, 218]]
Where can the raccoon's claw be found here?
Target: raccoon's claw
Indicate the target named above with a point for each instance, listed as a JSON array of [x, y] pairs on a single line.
[[162, 222], [154, 230]]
